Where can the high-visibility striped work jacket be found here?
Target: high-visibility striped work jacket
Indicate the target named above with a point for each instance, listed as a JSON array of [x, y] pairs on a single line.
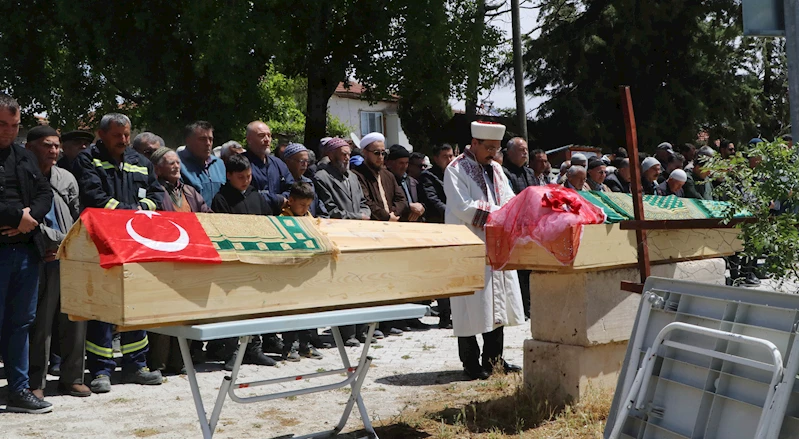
[[105, 183]]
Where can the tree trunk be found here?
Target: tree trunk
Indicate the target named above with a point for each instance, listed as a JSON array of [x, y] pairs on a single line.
[[473, 80], [316, 119]]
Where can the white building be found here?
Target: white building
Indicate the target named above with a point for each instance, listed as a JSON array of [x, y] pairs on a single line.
[[350, 106]]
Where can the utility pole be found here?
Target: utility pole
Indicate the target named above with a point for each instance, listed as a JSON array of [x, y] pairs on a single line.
[[518, 72]]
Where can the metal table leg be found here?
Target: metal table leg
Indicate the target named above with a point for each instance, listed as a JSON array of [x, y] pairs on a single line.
[[195, 388], [363, 368]]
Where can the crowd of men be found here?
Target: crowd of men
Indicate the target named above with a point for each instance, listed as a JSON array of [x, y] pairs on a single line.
[[48, 181], [45, 184]]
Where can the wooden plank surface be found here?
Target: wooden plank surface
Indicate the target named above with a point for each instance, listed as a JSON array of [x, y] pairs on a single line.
[[97, 294], [172, 292], [606, 246], [349, 235]]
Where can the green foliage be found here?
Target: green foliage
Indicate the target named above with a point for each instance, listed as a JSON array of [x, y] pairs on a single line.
[[686, 62], [761, 185], [168, 62], [338, 128]]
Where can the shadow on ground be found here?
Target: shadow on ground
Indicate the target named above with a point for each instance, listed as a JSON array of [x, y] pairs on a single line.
[[423, 378], [395, 431]]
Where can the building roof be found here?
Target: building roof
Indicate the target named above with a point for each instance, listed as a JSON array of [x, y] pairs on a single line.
[[355, 90]]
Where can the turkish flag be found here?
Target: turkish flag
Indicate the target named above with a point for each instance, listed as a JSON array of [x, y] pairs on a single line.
[[124, 236]]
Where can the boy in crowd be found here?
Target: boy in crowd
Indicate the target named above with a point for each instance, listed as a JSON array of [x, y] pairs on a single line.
[[301, 196], [239, 197]]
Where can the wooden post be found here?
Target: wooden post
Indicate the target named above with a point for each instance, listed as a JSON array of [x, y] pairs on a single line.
[[635, 179]]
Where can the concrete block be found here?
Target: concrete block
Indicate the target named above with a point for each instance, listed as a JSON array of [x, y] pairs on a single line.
[[587, 308], [563, 374]]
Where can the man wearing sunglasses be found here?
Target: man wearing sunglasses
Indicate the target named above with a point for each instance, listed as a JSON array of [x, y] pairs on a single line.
[[383, 195]]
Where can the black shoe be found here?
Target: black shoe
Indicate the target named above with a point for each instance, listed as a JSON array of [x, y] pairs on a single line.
[[476, 373], [219, 350], [362, 338], [418, 325], [25, 401], [258, 358], [273, 344], [308, 351], [511, 368], [751, 280], [445, 323], [143, 376]]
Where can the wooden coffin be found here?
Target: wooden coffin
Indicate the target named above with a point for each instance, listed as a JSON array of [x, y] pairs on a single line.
[[379, 263], [606, 246]]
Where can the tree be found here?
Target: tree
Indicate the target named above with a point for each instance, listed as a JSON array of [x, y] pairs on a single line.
[[165, 63], [686, 63], [326, 41], [752, 186]]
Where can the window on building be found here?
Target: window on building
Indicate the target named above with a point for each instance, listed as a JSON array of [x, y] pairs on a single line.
[[371, 122]]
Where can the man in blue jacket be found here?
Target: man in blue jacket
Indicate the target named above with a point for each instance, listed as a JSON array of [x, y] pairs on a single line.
[[199, 167], [270, 176]]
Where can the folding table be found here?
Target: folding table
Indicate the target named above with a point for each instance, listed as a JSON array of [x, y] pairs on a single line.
[[711, 362], [243, 329]]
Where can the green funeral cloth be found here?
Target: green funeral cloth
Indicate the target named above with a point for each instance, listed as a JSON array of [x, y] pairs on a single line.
[[619, 207], [272, 240]]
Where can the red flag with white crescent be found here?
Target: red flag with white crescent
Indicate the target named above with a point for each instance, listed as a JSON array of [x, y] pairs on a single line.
[[124, 236]]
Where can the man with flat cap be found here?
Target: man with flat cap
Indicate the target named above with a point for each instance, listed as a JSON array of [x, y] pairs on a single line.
[[72, 143], [398, 162], [43, 142], [475, 186]]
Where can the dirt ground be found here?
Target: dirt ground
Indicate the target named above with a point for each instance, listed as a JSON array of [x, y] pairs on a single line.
[[407, 372]]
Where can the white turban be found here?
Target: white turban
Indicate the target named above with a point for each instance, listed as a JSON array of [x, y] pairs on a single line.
[[372, 138], [678, 175], [648, 163], [487, 130]]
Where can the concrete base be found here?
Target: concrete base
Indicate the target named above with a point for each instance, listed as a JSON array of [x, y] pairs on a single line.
[[588, 308], [563, 374]]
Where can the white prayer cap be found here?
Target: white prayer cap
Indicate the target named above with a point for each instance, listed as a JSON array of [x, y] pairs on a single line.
[[488, 130], [579, 159], [372, 138], [648, 163], [678, 175]]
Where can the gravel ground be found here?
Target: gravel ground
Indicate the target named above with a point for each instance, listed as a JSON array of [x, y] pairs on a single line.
[[405, 369]]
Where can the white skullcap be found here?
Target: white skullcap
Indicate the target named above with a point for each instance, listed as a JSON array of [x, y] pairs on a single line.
[[678, 175], [372, 138], [648, 163], [578, 158], [488, 130]]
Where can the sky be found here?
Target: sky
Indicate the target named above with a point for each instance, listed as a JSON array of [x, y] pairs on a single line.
[[505, 96]]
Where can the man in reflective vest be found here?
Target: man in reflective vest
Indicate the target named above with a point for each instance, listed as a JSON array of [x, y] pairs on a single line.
[[112, 175]]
